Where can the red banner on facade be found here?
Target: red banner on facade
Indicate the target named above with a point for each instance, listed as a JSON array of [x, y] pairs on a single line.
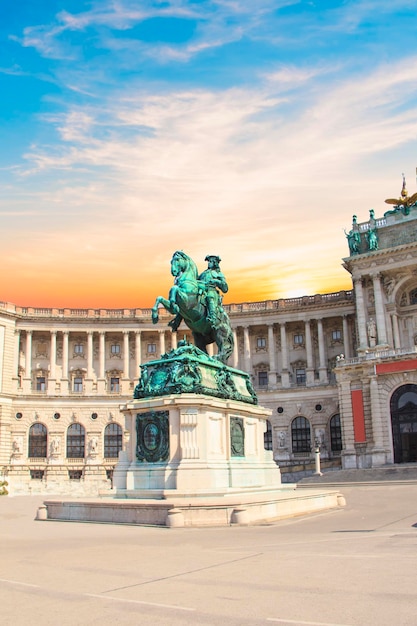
[[396, 366], [358, 416]]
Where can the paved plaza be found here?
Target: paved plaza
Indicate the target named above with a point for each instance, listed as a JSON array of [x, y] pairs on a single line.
[[348, 567]]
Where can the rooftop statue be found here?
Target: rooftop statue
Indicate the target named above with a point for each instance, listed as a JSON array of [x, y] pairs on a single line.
[[197, 300], [404, 202], [354, 238]]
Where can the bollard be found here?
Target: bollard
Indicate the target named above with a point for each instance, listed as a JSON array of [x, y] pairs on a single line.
[[42, 513], [317, 460]]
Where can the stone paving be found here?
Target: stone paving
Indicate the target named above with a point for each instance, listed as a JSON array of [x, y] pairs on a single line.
[[354, 566]]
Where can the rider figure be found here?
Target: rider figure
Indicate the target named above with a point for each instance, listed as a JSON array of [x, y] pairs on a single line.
[[210, 281]]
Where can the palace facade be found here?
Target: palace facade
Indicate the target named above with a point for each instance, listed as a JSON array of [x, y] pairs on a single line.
[[338, 371]]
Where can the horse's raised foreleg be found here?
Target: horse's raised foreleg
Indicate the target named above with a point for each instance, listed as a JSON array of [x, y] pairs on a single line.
[[165, 303]]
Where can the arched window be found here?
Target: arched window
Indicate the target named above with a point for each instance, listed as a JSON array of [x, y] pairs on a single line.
[[75, 441], [413, 296], [301, 435], [38, 441], [335, 433], [268, 436], [113, 440], [403, 407]]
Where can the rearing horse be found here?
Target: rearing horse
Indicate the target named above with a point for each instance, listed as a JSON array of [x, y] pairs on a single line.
[[185, 302]]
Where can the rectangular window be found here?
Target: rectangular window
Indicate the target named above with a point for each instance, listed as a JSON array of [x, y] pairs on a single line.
[[114, 385], [263, 379], [41, 383], [79, 348], [261, 342], [336, 335], [298, 339], [37, 474], [151, 348], [78, 384], [115, 348], [300, 376], [75, 474]]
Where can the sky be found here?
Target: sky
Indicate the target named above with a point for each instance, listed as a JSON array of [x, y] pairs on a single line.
[[250, 129]]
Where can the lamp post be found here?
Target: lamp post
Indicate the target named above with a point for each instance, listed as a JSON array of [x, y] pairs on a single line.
[[317, 457]]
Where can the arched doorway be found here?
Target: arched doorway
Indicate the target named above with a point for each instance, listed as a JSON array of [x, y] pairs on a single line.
[[404, 423]]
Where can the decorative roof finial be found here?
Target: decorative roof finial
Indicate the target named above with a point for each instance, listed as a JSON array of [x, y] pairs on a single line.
[[404, 192], [404, 200]]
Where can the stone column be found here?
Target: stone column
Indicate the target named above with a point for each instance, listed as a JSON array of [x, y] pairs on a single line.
[[52, 365], [162, 348], [27, 382], [309, 351], [346, 338], [101, 381], [285, 375], [246, 350], [138, 353], [16, 359], [174, 340], [65, 342], [126, 355], [396, 331], [360, 313], [378, 453], [272, 374], [379, 311], [348, 454], [322, 353], [89, 377], [235, 357]]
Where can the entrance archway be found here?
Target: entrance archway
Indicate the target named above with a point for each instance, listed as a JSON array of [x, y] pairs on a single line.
[[404, 423]]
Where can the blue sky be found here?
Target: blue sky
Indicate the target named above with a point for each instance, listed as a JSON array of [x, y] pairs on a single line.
[[253, 130]]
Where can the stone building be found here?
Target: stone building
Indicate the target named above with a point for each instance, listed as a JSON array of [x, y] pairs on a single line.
[[337, 370]]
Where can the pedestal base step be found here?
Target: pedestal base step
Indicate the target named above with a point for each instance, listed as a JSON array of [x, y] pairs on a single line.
[[196, 511]]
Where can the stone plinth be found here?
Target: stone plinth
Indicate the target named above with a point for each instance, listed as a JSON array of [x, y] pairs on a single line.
[[194, 444]]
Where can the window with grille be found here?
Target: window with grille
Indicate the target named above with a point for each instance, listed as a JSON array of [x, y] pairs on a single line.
[[151, 348], [75, 474], [75, 441], [301, 435], [300, 376], [38, 441], [114, 385], [115, 348], [37, 474], [78, 384], [113, 441], [298, 339], [41, 383], [335, 433], [261, 342], [263, 379]]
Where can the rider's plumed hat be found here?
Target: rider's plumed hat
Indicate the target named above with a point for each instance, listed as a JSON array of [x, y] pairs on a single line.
[[213, 256]]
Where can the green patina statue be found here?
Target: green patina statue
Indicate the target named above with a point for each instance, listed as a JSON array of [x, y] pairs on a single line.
[[186, 369], [196, 299]]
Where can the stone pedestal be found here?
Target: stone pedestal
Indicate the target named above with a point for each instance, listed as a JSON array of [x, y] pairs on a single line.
[[194, 444]]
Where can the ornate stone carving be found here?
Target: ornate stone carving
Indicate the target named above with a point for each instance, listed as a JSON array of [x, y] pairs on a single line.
[[187, 369], [237, 436], [152, 430]]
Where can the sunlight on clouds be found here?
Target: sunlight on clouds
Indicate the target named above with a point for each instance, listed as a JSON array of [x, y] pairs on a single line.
[[265, 172], [214, 172]]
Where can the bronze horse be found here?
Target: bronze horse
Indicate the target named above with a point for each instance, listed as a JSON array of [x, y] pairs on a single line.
[[186, 300]]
